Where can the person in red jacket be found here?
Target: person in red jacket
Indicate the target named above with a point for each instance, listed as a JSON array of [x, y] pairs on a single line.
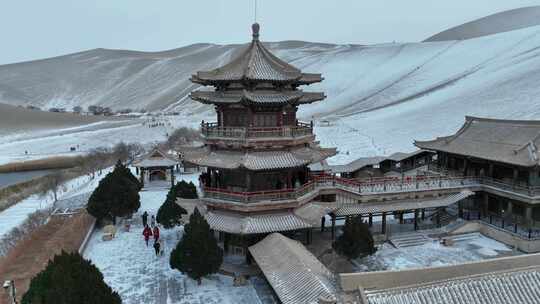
[[156, 233], [147, 233]]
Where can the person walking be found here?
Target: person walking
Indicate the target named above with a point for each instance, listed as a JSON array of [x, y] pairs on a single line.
[[156, 233], [147, 233], [153, 221], [156, 247], [145, 219]]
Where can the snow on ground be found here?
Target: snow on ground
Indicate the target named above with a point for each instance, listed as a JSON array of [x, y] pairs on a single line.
[[16, 214], [133, 270], [433, 254], [58, 143]]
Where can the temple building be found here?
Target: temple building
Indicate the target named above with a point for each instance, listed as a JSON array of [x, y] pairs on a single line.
[[503, 156], [156, 168], [256, 152]]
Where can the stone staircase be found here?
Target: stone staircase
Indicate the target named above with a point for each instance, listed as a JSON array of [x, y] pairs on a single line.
[[463, 237], [409, 240]]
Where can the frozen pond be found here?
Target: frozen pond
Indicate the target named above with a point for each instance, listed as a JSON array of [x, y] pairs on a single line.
[[12, 178], [474, 247]]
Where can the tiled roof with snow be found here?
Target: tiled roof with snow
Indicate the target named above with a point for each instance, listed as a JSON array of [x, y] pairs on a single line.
[[508, 141], [514, 287], [357, 164], [255, 224], [400, 205], [256, 63], [294, 273], [259, 160], [256, 97], [156, 158]]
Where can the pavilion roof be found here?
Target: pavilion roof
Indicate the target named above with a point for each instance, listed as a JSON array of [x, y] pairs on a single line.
[[512, 142], [156, 158], [257, 97], [257, 160], [400, 156], [519, 286], [294, 273], [256, 63], [357, 164]]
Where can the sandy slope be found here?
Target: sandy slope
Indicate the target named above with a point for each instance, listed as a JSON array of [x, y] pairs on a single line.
[[18, 120], [497, 23]]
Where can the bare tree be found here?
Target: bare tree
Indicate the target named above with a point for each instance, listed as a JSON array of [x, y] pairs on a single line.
[[53, 183], [183, 136]]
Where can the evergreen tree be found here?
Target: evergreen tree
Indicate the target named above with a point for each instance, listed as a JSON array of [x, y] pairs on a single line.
[[116, 195], [356, 239], [69, 278], [186, 190], [198, 253], [170, 213], [124, 171]]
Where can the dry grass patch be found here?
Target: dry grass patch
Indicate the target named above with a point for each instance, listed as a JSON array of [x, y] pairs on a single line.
[[31, 255], [60, 162]]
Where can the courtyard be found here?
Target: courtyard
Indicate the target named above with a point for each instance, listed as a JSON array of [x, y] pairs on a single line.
[[134, 271]]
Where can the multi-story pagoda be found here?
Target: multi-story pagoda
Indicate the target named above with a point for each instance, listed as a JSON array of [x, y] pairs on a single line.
[[257, 153]]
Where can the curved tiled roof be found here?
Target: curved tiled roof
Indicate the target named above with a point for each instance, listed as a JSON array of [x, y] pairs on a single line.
[[401, 205], [255, 224], [258, 160], [256, 63], [513, 142], [156, 158], [257, 97]]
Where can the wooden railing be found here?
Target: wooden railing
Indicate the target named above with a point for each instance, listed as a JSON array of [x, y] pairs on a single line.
[[520, 187], [368, 186], [301, 129], [258, 196]]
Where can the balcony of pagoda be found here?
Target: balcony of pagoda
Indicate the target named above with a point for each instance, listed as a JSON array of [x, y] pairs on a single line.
[[258, 136], [277, 198]]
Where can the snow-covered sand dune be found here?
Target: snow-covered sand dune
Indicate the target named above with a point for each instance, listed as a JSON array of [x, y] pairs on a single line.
[[380, 98], [497, 23]]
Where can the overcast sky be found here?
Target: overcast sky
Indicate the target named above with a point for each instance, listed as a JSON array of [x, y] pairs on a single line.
[[34, 29]]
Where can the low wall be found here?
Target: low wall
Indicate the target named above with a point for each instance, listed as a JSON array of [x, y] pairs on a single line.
[[391, 279], [528, 246], [87, 236]]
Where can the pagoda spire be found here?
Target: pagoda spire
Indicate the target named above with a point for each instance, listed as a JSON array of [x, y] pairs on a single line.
[[255, 28]]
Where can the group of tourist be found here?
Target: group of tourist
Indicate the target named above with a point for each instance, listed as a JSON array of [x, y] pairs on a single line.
[[152, 230]]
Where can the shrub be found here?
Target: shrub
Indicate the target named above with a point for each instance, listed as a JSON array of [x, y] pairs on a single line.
[[356, 239]]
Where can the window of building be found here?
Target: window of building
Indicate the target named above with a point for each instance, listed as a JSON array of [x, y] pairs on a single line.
[[265, 120], [235, 118]]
